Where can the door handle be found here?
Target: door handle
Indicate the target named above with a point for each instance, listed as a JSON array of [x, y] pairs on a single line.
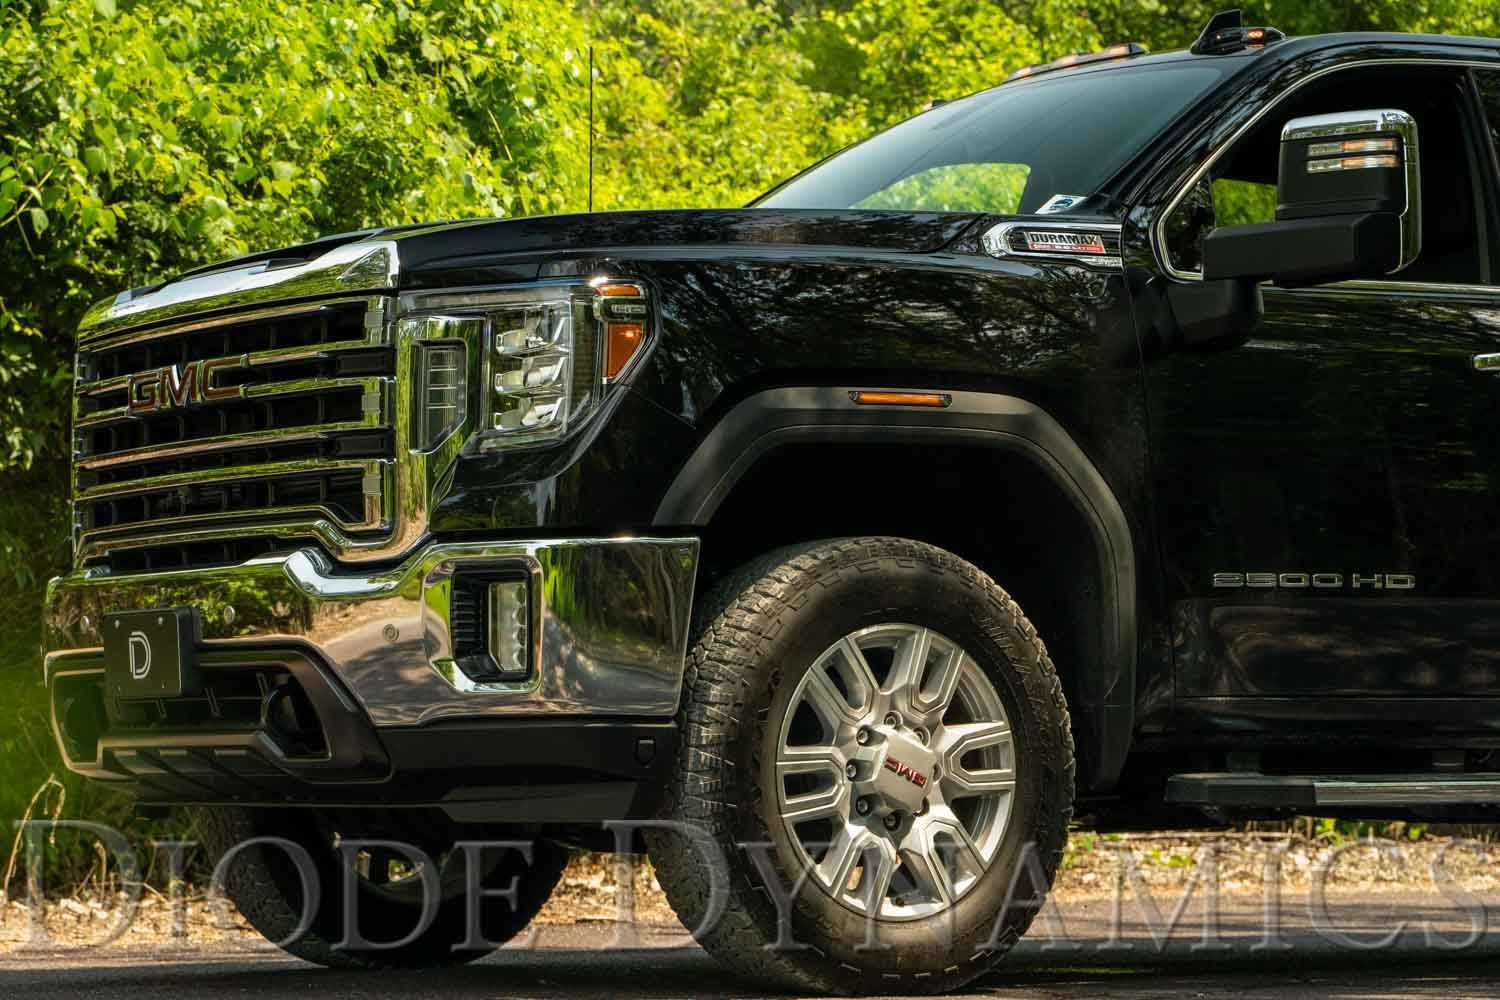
[[1487, 363]]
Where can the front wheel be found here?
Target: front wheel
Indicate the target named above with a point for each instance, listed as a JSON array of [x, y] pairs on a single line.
[[287, 869], [882, 720]]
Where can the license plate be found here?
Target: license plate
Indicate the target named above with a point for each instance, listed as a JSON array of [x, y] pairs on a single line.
[[149, 654]]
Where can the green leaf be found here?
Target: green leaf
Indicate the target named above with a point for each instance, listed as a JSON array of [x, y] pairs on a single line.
[[106, 8], [39, 221], [95, 160]]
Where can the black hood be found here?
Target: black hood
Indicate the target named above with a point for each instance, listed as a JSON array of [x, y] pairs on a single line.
[[517, 247], [493, 251]]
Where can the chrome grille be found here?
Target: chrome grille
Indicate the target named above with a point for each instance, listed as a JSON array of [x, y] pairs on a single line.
[[296, 441]]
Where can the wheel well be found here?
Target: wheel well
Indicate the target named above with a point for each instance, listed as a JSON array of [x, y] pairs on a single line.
[[993, 507]]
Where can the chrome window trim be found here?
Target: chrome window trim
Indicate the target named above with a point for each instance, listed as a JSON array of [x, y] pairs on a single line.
[[1159, 226]]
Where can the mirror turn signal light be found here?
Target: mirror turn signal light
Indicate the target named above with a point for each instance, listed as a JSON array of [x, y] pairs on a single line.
[[1352, 163], [1352, 146]]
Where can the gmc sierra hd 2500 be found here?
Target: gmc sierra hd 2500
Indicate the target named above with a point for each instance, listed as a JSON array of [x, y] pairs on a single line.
[[700, 520]]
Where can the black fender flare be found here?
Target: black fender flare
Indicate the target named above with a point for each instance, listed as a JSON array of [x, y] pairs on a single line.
[[775, 417]]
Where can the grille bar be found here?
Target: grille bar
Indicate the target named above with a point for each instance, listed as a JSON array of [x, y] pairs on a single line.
[[301, 446], [251, 367], [230, 442], [303, 387]]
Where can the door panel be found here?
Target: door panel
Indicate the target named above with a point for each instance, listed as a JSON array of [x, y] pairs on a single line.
[[1329, 499]]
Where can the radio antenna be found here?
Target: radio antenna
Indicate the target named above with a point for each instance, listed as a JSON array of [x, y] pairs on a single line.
[[591, 128]]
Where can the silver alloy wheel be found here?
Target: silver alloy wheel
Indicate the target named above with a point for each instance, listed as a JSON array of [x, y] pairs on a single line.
[[895, 771]]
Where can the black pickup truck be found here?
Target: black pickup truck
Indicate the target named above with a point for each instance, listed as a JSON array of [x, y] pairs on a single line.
[[1118, 444]]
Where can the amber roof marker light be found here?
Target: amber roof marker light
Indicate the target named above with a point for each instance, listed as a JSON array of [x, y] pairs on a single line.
[[933, 400], [1115, 53], [1226, 33]]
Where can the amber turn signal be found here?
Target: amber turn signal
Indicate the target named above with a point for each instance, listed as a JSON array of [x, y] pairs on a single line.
[[621, 341]]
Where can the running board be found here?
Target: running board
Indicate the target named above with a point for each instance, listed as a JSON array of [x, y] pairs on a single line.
[[1240, 788]]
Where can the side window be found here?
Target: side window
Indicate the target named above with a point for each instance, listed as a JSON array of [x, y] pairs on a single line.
[[1241, 186], [1488, 82]]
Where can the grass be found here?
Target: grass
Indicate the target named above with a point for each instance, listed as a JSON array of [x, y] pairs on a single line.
[[33, 781]]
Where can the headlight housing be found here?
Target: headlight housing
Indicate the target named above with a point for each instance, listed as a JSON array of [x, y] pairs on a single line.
[[548, 355]]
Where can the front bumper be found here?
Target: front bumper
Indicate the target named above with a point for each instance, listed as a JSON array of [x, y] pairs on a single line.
[[370, 656]]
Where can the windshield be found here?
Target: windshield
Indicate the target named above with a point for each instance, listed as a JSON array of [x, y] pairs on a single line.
[[1008, 150]]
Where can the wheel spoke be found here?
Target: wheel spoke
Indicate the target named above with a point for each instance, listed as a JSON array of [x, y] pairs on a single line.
[[960, 782], [880, 869], [843, 854], [810, 760], [928, 874], [832, 708], [960, 847], [956, 742], [911, 659], [962, 738], [935, 693], [831, 801], [858, 675]]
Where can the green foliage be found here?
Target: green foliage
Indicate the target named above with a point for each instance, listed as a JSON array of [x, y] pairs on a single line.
[[958, 187], [1238, 203], [702, 103], [890, 57]]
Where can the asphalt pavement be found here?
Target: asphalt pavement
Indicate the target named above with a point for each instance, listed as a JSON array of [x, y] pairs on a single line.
[[1356, 947]]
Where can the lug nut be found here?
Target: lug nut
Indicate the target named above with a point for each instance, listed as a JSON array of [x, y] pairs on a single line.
[[862, 806], [892, 820], [922, 737], [892, 719], [852, 770], [862, 737]]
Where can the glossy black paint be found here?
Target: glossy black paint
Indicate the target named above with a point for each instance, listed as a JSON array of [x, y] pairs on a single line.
[[772, 302], [1348, 435]]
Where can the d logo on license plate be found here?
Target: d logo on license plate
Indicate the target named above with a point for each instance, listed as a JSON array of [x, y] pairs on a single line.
[[150, 654], [139, 650]]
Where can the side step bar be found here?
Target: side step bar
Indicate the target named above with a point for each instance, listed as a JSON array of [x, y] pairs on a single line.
[[1241, 788]]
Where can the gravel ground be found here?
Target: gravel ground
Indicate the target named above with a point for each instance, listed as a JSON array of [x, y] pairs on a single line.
[[1159, 866]]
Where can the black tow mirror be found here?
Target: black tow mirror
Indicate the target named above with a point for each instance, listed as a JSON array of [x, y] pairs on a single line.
[[1348, 205]]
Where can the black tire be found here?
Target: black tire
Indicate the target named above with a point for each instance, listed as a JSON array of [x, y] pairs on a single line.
[[265, 884], [756, 635]]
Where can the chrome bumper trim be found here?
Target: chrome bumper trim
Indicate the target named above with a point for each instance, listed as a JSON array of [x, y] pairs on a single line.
[[614, 615]]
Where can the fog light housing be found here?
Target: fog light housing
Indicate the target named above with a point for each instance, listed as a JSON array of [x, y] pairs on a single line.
[[492, 627]]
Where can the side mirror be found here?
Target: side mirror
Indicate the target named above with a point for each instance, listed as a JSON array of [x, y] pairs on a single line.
[[1348, 205]]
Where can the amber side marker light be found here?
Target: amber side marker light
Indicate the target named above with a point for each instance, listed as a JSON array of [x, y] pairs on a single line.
[[624, 327], [932, 399]]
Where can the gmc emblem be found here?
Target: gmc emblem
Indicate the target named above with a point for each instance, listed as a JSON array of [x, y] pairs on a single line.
[[906, 771], [177, 387]]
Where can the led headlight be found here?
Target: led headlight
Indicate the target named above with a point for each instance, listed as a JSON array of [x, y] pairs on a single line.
[[549, 355], [549, 361]]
